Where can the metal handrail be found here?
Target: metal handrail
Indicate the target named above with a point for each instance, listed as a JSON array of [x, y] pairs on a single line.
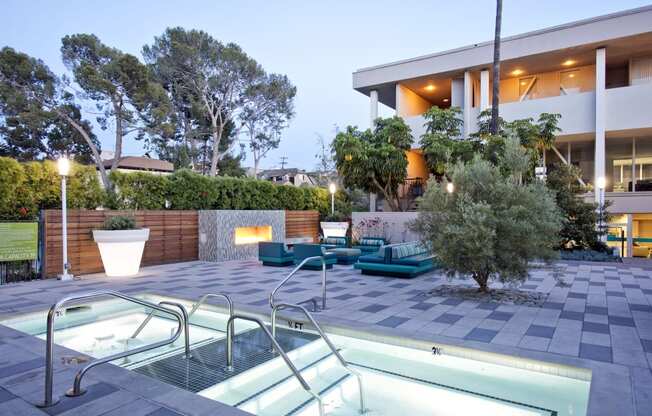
[[326, 340], [276, 346], [202, 300], [186, 324], [49, 349], [293, 272]]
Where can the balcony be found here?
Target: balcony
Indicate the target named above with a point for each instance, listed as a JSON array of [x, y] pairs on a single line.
[[629, 107]]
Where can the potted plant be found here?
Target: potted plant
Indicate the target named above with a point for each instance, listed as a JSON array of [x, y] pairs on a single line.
[[121, 245], [334, 225]]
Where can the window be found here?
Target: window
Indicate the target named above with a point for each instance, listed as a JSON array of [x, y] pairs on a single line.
[[528, 88], [569, 82]]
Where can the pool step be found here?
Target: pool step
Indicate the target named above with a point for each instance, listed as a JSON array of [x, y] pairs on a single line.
[[207, 366], [289, 398]]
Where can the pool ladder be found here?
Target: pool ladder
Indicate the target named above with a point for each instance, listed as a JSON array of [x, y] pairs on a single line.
[[293, 272], [49, 400]]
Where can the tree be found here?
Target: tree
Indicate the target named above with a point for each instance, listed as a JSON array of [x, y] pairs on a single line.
[[491, 226], [495, 99], [269, 108], [121, 88], [375, 161], [34, 103], [325, 166], [578, 229], [217, 78], [442, 143]]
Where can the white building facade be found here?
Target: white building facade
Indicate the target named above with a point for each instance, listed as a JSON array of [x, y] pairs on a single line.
[[596, 73]]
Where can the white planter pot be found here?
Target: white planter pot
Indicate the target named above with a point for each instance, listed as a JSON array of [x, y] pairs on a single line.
[[121, 250], [334, 229]]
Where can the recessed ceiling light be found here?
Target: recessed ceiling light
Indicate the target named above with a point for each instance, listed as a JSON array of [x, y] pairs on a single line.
[[523, 82], [517, 72], [568, 62], [429, 87], [445, 100], [571, 75]]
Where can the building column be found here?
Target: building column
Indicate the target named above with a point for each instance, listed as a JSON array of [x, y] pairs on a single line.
[[457, 93], [484, 89], [633, 164], [468, 102], [600, 114], [373, 107], [630, 236], [373, 115]]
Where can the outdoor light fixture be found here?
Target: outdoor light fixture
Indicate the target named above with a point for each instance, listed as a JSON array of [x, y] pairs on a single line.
[[332, 188], [568, 62], [450, 187], [517, 72], [63, 164], [601, 182]]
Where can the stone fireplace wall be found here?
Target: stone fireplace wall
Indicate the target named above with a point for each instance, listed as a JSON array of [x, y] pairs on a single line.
[[217, 232]]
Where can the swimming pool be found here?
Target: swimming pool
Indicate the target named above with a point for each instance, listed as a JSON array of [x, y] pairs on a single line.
[[406, 379]]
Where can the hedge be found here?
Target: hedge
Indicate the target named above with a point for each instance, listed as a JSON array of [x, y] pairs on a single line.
[[27, 187]]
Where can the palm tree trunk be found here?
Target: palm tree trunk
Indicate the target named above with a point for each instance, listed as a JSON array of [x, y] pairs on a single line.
[[495, 99]]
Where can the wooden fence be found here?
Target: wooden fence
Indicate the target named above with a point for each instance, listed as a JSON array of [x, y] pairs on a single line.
[[172, 238], [302, 224]]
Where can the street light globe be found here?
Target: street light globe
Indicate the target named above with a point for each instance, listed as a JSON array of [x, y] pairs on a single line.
[[332, 188], [601, 182], [450, 187], [63, 164]]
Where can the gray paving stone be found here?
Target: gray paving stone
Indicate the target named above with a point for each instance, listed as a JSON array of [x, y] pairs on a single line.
[[595, 352]]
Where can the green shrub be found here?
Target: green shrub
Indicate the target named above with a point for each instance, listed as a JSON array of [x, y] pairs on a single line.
[[290, 197], [140, 190], [119, 222], [26, 188], [188, 190]]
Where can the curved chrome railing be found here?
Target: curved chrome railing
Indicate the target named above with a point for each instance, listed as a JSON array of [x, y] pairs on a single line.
[[326, 340], [186, 324], [202, 300], [293, 272], [49, 349], [276, 346]]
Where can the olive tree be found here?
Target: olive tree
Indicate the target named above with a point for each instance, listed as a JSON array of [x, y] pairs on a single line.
[[492, 225]]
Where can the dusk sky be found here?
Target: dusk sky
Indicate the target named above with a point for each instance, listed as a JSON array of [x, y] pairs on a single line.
[[318, 44]]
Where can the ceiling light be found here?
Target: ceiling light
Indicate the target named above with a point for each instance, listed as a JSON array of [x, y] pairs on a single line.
[[517, 72], [568, 62], [523, 82], [430, 87], [571, 75], [445, 100]]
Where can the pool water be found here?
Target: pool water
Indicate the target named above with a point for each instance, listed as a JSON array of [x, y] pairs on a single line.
[[397, 380]]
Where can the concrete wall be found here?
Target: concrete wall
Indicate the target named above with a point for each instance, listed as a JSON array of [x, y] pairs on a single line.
[[629, 107], [217, 232], [417, 167], [390, 225], [626, 202], [416, 124]]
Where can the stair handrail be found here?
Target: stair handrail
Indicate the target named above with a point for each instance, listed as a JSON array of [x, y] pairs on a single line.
[[49, 349], [186, 324], [202, 300], [327, 340], [293, 272], [275, 346]]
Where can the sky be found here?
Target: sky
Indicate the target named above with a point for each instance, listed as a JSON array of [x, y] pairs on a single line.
[[317, 44]]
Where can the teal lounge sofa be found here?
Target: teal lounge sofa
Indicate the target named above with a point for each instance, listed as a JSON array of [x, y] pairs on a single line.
[[368, 245], [399, 260], [274, 254], [335, 242], [303, 251]]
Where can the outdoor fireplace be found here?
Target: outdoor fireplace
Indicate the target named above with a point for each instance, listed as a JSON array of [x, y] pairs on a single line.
[[253, 234], [234, 235]]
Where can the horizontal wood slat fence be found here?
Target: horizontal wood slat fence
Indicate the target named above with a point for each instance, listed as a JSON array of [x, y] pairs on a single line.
[[302, 224], [172, 238]]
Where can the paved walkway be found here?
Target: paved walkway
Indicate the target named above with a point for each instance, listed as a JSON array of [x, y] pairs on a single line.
[[601, 319]]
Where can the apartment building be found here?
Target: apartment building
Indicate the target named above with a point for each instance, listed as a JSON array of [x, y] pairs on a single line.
[[596, 73]]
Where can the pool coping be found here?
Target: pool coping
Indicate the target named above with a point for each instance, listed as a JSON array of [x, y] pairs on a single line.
[[611, 391]]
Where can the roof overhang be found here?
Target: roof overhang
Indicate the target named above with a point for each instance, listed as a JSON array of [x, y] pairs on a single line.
[[612, 30]]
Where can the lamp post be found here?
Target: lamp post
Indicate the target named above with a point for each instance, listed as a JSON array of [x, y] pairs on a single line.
[[450, 187], [601, 183], [332, 188], [64, 170]]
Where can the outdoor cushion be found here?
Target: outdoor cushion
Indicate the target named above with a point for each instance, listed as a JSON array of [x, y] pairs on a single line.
[[417, 260], [371, 258], [407, 250], [274, 254], [303, 251], [368, 241], [335, 241]]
